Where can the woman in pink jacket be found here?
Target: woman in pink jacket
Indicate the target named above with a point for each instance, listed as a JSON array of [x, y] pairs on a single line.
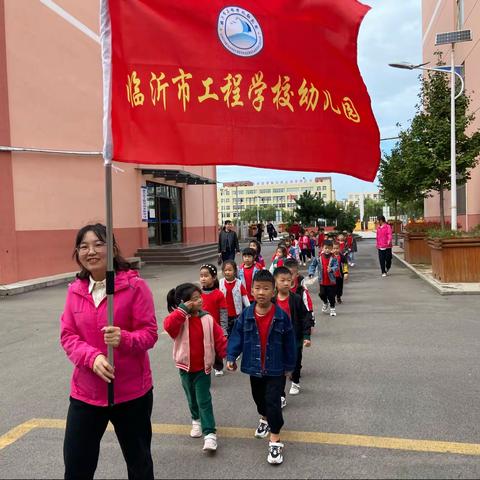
[[85, 337], [384, 245]]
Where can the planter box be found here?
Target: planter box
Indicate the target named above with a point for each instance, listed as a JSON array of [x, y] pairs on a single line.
[[455, 260], [416, 248]]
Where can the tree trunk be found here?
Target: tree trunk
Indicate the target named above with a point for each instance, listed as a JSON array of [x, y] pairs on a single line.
[[396, 220], [442, 208]]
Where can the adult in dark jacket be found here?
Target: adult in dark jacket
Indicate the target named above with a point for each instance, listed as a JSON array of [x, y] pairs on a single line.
[[272, 233], [259, 233], [228, 245]]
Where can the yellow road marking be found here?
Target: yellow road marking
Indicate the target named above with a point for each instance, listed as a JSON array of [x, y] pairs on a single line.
[[388, 443], [15, 433]]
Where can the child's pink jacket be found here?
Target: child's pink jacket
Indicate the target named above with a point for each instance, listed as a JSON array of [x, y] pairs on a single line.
[[82, 339], [214, 341]]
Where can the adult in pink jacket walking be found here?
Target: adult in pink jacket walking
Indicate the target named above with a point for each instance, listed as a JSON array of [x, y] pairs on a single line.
[[384, 245], [85, 337]]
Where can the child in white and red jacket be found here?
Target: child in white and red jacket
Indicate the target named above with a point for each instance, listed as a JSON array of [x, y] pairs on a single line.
[[199, 339], [235, 293]]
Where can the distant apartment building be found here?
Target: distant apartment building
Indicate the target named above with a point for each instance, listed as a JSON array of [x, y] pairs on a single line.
[[355, 197], [234, 197], [446, 16]]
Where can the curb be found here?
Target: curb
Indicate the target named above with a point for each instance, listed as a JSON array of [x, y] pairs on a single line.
[[443, 289]]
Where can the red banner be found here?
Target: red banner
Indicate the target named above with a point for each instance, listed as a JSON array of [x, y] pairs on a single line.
[[272, 84]]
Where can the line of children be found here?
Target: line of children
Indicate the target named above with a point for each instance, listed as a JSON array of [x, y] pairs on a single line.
[[325, 267], [269, 334]]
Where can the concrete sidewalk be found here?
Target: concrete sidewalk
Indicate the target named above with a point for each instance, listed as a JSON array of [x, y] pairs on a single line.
[[425, 273]]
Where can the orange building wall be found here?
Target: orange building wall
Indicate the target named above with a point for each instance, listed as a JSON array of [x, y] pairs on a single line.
[[51, 98], [468, 52]]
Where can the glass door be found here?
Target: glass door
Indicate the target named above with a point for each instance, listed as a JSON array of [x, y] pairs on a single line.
[[165, 214]]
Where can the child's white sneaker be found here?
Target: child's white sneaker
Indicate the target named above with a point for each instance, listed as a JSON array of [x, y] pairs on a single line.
[[218, 373], [196, 431], [210, 443], [283, 402], [275, 453], [294, 389], [333, 313], [325, 308], [262, 430]]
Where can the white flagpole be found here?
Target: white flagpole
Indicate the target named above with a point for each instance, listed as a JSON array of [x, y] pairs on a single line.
[[106, 43]]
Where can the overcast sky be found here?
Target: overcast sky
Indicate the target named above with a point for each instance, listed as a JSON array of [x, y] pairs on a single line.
[[391, 32]]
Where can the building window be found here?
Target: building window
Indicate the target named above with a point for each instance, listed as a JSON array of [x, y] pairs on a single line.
[[265, 190], [278, 190], [460, 14]]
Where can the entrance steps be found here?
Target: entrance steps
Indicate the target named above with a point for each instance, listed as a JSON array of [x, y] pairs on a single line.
[[179, 254]]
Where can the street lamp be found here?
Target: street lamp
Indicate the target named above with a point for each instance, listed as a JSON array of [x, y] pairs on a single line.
[[444, 39]]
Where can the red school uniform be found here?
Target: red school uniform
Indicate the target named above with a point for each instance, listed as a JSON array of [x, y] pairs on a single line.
[[325, 261], [263, 326], [213, 302], [284, 305], [320, 240]]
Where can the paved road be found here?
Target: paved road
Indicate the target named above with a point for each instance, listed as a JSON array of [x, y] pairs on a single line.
[[398, 361]]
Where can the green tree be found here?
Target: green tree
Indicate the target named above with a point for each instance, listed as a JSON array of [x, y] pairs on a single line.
[[265, 214], [373, 208], [331, 212], [426, 144], [309, 208]]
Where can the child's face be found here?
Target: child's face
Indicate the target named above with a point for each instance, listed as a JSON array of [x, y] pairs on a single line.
[[279, 252], [262, 292], [248, 260], [327, 249], [253, 245], [206, 278], [336, 249], [283, 283], [197, 302], [341, 238], [229, 272]]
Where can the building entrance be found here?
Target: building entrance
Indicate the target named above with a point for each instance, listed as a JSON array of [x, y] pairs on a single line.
[[165, 214]]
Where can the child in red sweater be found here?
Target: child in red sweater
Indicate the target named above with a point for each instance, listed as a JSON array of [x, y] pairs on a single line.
[[198, 341], [214, 302]]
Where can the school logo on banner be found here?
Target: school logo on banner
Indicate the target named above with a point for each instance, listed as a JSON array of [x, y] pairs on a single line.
[[240, 32]]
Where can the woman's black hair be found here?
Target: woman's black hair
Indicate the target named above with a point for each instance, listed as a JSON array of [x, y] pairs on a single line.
[[232, 263], [381, 218], [183, 293], [284, 251], [258, 247], [119, 263], [212, 269]]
